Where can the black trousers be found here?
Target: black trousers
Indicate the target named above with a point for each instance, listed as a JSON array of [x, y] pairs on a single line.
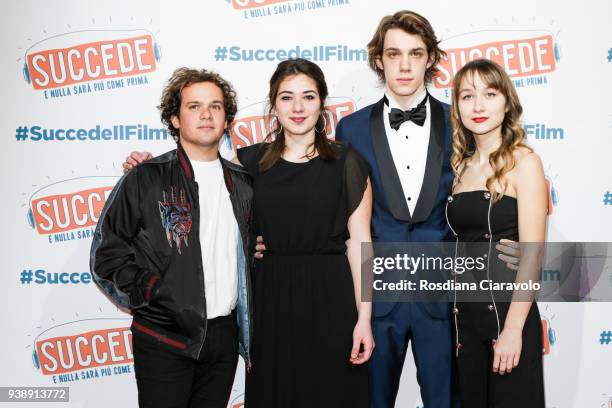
[[479, 386], [169, 380]]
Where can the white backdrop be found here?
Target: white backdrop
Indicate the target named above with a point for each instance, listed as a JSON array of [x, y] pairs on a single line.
[[81, 82]]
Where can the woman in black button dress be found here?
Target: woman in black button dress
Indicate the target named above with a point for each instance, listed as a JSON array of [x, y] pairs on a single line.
[[499, 193]]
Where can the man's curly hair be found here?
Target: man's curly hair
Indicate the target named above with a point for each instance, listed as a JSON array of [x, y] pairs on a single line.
[[171, 96]]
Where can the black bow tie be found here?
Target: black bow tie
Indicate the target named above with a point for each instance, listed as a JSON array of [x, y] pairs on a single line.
[[417, 115]]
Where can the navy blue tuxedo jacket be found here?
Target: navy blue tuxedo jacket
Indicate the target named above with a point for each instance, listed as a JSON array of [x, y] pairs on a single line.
[[391, 218]]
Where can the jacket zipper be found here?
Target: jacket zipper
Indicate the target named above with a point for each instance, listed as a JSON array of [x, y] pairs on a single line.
[[247, 267], [200, 262]]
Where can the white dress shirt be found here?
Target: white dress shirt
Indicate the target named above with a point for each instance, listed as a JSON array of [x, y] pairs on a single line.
[[409, 146]]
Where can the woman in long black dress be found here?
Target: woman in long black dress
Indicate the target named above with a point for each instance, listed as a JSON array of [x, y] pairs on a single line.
[[312, 332], [499, 193]]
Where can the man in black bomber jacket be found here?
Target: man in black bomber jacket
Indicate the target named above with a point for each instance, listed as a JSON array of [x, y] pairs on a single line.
[[172, 245]]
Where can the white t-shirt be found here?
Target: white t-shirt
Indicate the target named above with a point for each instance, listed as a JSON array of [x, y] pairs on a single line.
[[219, 236]]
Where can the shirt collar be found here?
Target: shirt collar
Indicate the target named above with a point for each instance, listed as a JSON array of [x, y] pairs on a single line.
[[393, 103], [205, 164]]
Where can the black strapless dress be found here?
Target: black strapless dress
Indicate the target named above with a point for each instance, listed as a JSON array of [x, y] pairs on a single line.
[[473, 218]]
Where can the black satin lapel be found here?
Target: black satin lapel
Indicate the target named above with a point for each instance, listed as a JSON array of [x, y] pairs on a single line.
[[388, 173], [433, 168]]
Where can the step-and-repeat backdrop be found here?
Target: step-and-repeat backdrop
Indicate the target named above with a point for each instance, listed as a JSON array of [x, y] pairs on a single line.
[[81, 83]]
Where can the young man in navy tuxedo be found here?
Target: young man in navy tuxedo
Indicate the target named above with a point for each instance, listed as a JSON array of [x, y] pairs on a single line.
[[406, 139]]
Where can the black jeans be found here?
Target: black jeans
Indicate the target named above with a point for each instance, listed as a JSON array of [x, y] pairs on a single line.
[[169, 380]]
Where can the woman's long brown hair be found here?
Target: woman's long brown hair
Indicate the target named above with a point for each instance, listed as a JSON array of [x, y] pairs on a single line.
[[321, 145], [464, 146]]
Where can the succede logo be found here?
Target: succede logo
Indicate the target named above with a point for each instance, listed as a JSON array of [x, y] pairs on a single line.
[[96, 60], [249, 4], [553, 195], [84, 350], [266, 8], [69, 210], [251, 127], [549, 335], [527, 56]]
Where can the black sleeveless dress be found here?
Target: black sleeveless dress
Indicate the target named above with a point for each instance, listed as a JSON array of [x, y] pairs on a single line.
[[477, 324], [304, 299]]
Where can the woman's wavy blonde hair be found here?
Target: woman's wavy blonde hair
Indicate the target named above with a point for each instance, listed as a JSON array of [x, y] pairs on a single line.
[[464, 146]]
